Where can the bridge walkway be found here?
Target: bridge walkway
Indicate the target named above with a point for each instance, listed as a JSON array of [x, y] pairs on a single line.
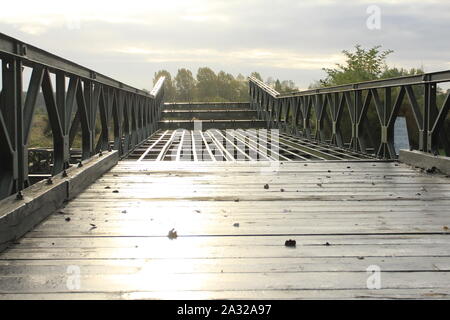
[[232, 220]]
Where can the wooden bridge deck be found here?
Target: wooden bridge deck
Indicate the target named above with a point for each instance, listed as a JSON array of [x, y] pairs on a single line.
[[344, 216]]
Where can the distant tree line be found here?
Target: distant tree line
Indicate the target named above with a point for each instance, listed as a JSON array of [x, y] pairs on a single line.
[[207, 86]]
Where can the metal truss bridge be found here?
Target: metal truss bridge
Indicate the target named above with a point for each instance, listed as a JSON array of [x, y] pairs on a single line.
[[138, 197]]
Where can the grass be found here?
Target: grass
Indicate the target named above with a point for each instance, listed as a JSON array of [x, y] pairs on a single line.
[[38, 138]]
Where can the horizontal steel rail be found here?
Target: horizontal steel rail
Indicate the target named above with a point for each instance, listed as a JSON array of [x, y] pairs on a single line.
[[294, 112], [75, 97]]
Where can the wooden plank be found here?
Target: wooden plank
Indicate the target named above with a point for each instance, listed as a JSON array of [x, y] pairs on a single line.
[[284, 294], [183, 251], [100, 266], [345, 218], [163, 281], [304, 240]]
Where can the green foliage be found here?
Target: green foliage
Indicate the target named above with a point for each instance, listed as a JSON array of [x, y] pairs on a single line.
[[208, 86], [395, 72], [287, 86], [185, 85], [361, 65], [207, 83], [277, 86]]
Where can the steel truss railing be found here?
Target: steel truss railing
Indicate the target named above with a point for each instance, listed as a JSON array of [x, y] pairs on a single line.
[[291, 112], [79, 96]]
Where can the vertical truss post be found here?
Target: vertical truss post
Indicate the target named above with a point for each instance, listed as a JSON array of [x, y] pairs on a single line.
[[9, 168], [118, 120], [354, 117], [27, 116], [22, 150], [430, 114], [64, 117]]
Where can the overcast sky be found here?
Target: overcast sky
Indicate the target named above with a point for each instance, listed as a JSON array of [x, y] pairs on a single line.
[[131, 39]]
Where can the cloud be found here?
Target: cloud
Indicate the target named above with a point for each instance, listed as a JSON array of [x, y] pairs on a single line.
[[287, 39], [254, 57]]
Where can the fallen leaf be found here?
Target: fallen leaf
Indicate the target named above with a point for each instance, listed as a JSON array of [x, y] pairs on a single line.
[[172, 234], [432, 170], [290, 243]]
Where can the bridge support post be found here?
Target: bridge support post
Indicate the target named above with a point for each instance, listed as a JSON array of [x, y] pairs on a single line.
[[9, 168]]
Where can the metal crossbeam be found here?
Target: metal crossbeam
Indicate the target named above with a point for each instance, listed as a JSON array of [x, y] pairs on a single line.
[[234, 145]]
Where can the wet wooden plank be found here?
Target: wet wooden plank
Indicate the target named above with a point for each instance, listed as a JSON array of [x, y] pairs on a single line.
[[345, 218], [100, 266], [235, 294], [163, 281]]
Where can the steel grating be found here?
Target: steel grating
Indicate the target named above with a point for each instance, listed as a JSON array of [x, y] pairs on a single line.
[[237, 145]]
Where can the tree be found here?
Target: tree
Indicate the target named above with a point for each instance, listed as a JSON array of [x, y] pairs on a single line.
[[184, 85], [226, 86], [270, 82], [288, 85], [277, 86], [361, 65], [281, 86], [206, 83], [395, 72], [210, 87], [169, 88], [240, 78]]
